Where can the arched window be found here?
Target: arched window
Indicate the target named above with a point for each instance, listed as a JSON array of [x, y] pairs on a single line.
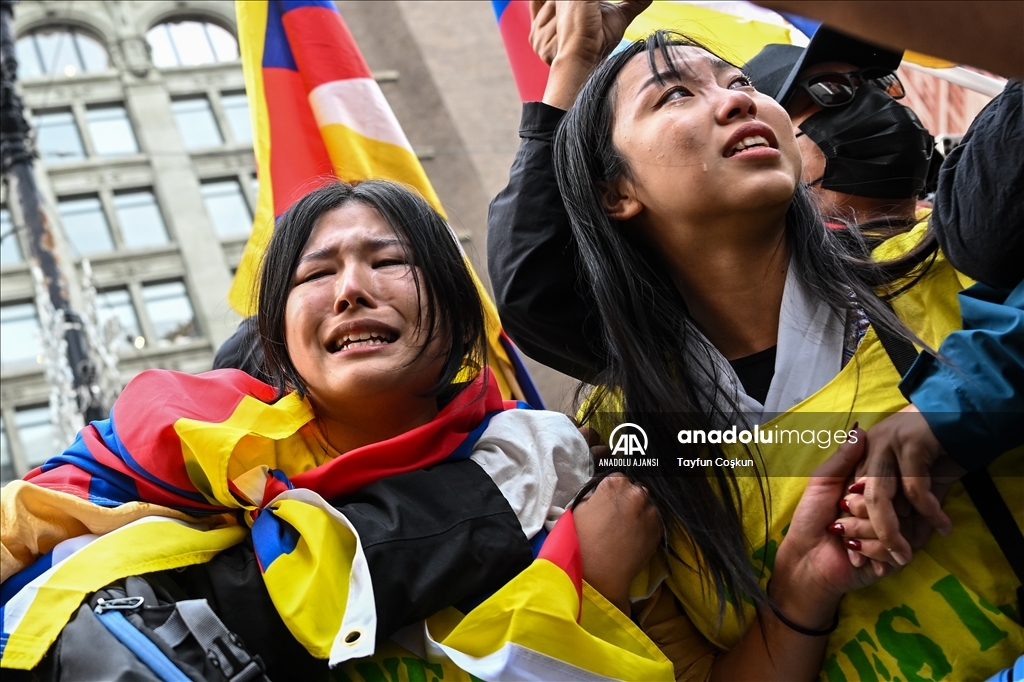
[[190, 43], [62, 50]]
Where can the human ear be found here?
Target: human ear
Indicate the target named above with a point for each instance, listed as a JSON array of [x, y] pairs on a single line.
[[619, 200]]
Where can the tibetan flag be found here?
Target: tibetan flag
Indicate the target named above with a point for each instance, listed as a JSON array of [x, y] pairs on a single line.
[[318, 114], [548, 624], [165, 481], [737, 30]]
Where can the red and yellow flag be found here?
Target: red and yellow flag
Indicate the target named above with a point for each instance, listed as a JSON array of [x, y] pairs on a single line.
[[318, 114]]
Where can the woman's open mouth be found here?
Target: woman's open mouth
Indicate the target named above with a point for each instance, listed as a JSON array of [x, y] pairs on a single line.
[[752, 142], [355, 340]]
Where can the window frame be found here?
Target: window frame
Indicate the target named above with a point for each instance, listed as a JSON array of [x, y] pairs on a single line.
[[205, 22], [85, 145], [92, 150], [75, 32], [23, 365]]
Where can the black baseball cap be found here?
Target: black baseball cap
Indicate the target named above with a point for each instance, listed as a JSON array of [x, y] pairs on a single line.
[[774, 69]]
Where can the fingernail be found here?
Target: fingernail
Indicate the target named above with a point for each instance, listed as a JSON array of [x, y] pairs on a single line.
[[945, 531], [852, 544], [879, 568], [855, 425], [901, 558], [855, 558], [845, 506], [858, 487], [836, 529]]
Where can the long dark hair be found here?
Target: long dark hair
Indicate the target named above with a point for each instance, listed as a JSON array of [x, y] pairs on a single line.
[[453, 307], [658, 364]]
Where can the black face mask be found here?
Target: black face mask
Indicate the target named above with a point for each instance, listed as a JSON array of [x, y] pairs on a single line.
[[874, 146]]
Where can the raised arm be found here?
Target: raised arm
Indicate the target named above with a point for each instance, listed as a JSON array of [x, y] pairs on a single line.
[[532, 257]]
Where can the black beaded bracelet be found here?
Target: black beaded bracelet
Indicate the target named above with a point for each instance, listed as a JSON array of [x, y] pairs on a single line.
[[799, 628]]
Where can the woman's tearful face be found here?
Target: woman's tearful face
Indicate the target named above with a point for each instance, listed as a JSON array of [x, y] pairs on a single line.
[[355, 321], [700, 142]]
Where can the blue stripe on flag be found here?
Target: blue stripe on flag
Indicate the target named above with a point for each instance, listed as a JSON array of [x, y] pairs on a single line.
[[465, 448], [537, 541], [277, 53], [499, 8], [77, 449], [108, 431], [272, 537], [107, 488], [281, 476], [289, 5], [522, 374], [805, 25], [13, 585]]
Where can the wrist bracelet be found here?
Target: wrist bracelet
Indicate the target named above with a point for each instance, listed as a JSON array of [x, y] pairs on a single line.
[[799, 628]]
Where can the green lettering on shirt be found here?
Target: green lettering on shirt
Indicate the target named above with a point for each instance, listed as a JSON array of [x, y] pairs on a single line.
[[977, 623], [912, 650], [863, 636], [833, 673], [370, 671], [860, 661], [417, 670]]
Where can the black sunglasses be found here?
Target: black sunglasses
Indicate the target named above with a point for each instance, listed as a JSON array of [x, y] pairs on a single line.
[[836, 89]]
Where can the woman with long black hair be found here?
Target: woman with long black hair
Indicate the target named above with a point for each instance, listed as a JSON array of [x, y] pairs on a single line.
[[720, 300]]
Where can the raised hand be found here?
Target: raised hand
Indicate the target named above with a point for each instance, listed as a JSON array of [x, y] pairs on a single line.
[[574, 36]]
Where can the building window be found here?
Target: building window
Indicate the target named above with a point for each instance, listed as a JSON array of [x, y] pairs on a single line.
[[59, 50], [37, 435], [170, 311], [236, 109], [196, 123], [57, 137], [85, 225], [111, 131], [190, 43], [10, 249], [117, 304], [139, 215], [227, 208], [19, 335], [7, 472]]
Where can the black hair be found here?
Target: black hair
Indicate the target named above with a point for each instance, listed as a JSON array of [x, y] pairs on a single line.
[[442, 277], [658, 364]]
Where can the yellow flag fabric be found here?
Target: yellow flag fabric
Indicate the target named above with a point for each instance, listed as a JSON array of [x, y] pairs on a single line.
[[950, 614], [318, 114]]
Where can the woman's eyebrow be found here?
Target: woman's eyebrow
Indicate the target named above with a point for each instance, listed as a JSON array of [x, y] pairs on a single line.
[[378, 243], [718, 64], [318, 254], [661, 77]]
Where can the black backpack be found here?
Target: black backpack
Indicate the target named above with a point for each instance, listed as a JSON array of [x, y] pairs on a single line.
[[135, 631]]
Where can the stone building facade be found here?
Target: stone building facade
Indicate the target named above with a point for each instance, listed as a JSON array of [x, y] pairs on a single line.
[[147, 170]]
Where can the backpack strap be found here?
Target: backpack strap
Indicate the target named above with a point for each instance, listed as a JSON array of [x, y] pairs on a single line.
[[224, 649], [979, 484]]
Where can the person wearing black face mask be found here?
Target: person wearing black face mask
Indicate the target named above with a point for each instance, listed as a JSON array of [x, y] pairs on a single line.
[[866, 156]]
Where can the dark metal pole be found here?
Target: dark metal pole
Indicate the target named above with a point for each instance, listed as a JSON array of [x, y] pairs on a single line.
[[16, 155]]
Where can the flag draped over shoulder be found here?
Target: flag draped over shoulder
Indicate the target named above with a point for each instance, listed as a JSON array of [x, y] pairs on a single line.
[[318, 114], [203, 445], [219, 442]]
